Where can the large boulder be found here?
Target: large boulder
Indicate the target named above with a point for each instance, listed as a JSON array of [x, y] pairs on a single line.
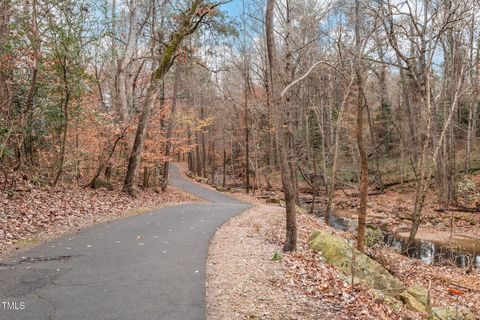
[[415, 299], [338, 252], [452, 313], [382, 297]]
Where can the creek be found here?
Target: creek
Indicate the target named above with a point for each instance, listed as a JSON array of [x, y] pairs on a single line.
[[428, 251]]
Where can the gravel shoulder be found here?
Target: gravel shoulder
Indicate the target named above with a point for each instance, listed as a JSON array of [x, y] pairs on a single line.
[[244, 282]]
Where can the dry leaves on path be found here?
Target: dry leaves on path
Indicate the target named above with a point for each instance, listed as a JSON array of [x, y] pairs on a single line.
[[244, 282], [42, 214]]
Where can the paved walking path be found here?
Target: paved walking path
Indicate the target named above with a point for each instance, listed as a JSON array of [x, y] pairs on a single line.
[[150, 266]]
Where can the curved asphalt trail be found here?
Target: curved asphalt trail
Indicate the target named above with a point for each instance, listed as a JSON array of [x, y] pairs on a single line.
[[150, 266]]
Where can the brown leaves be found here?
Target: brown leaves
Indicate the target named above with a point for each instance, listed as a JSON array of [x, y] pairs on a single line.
[[43, 213], [300, 286], [415, 272], [320, 281]]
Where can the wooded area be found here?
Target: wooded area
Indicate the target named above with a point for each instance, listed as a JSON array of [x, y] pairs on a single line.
[[357, 118], [301, 96]]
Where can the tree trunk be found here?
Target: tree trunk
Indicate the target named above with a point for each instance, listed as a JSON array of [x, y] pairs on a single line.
[[426, 163], [63, 143], [187, 26], [278, 103], [247, 135], [190, 158], [473, 105], [224, 163], [166, 164], [203, 143], [198, 159], [137, 149], [212, 164], [330, 185], [376, 152], [146, 178], [363, 176]]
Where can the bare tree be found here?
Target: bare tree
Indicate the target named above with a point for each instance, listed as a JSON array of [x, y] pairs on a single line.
[[190, 21], [279, 104]]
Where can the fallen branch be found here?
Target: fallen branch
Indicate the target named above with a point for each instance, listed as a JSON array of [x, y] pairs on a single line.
[[459, 209], [463, 286]]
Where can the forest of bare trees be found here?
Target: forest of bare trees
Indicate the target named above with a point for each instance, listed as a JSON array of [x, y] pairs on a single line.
[[319, 106], [317, 95]]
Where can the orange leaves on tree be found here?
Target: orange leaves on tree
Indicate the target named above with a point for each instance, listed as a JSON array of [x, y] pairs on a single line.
[[206, 10]]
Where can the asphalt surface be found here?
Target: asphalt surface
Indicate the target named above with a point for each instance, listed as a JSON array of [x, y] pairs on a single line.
[[150, 266]]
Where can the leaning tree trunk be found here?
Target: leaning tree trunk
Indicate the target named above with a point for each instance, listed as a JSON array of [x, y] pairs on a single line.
[[224, 171], [426, 163], [212, 163], [190, 22]]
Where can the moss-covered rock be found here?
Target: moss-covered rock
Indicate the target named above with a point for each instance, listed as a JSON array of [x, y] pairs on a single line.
[[99, 183], [452, 313], [382, 297], [351, 223], [415, 298], [338, 252], [419, 293]]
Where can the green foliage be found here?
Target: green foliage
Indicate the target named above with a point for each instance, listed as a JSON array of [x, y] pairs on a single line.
[[277, 256]]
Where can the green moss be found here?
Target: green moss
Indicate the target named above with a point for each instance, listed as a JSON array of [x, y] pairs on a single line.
[[336, 251], [452, 313], [415, 298], [99, 183], [272, 200]]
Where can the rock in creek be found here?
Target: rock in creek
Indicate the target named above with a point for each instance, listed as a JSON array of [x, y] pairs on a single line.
[[339, 253]]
